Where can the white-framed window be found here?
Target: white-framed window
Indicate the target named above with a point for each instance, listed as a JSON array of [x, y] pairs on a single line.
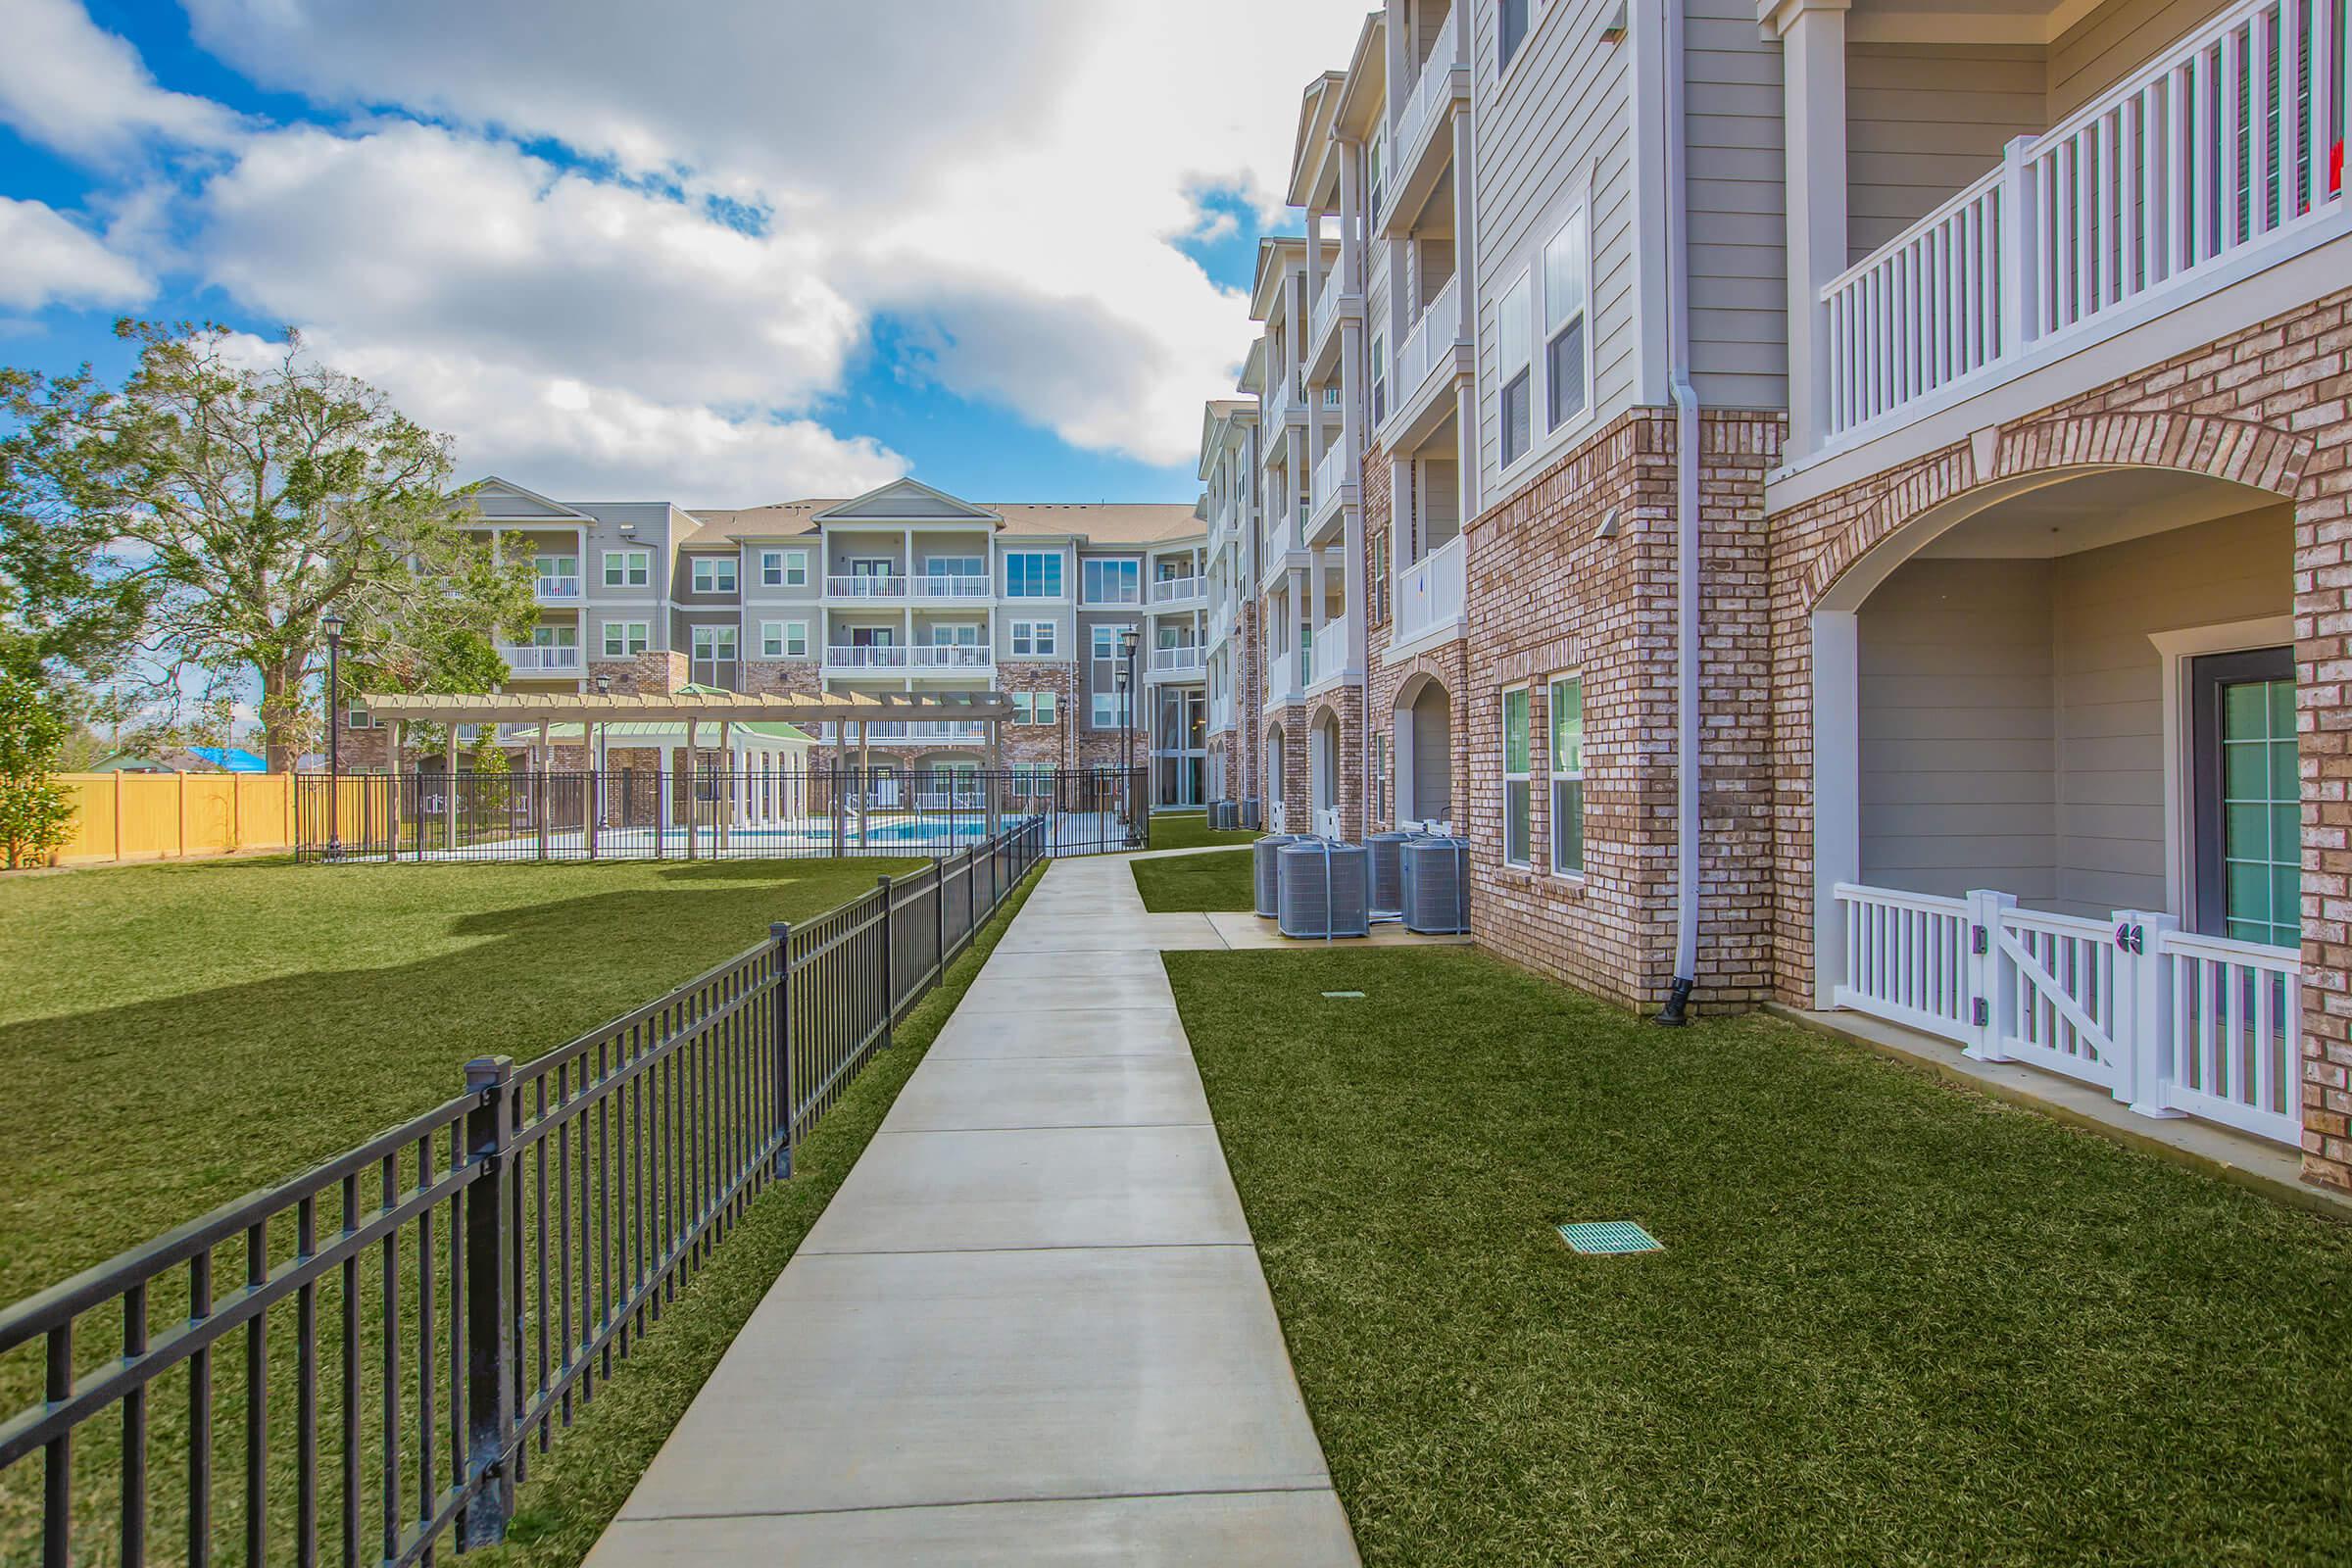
[[625, 639], [1514, 415], [1104, 641], [955, 567], [1036, 707], [783, 568], [1032, 639], [715, 644], [1567, 348], [1376, 156], [1567, 705], [357, 717], [1111, 710], [1513, 20], [1111, 582], [783, 639], [557, 573], [1380, 380], [714, 574], [1517, 807], [628, 568], [1033, 574]]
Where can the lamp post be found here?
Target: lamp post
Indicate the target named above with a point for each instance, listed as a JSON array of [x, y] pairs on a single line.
[[332, 624], [1129, 641]]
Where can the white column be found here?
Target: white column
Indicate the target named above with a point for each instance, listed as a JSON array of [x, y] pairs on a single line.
[[1315, 280], [1465, 226], [1837, 786], [1351, 245], [1466, 447], [1812, 35]]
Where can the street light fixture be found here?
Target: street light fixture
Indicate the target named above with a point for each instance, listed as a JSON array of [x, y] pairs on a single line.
[[1129, 641], [331, 623]]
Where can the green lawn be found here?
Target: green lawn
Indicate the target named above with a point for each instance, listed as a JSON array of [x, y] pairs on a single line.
[[1216, 880], [176, 1035], [1184, 830], [1894, 1322]]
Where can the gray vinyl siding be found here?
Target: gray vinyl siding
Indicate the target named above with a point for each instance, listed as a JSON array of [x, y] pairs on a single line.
[[1957, 750], [1925, 122], [2111, 42], [1552, 135], [1738, 245], [2109, 685]]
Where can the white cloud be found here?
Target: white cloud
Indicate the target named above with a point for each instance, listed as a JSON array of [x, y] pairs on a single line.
[[69, 84], [45, 260]]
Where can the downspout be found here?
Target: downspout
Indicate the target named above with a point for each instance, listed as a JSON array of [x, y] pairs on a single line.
[[1686, 525]]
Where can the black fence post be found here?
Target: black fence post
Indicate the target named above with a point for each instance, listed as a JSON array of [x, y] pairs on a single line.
[[938, 918], [890, 982], [489, 1332], [780, 1041]]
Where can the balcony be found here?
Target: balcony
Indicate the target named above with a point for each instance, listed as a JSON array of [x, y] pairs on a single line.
[[956, 586], [866, 656], [1424, 140], [901, 730], [2140, 202], [1283, 401], [1330, 657], [1432, 354], [1177, 591], [1221, 716], [1429, 595], [1335, 487], [1220, 624], [542, 659], [951, 656], [1334, 305], [863, 587], [1286, 678], [1179, 661], [556, 588]]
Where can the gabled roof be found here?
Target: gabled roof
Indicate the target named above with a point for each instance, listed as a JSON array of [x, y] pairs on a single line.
[[1215, 417], [1364, 99], [1310, 146], [503, 501], [1119, 522], [905, 501], [1277, 254]]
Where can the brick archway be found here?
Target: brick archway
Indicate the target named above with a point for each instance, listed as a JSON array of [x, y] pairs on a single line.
[[2258, 456]]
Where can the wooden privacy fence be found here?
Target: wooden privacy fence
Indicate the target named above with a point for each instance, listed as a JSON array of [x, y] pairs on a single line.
[[170, 817], [359, 1364]]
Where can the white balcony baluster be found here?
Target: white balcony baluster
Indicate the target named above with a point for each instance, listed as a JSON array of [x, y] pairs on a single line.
[[1430, 592]]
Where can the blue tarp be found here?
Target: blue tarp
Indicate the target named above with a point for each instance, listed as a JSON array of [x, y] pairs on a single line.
[[230, 758]]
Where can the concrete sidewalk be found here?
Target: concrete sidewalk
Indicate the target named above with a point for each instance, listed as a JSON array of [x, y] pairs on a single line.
[[1031, 1327]]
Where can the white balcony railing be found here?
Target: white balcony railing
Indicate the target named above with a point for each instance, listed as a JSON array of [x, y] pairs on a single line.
[[1184, 660], [952, 656], [901, 730], [1283, 397], [2171, 184], [2165, 1020], [947, 585], [1175, 590], [855, 586], [1431, 89], [1433, 338], [1430, 593], [1326, 309], [1334, 471], [1220, 624], [542, 659], [556, 589], [1332, 639], [863, 656]]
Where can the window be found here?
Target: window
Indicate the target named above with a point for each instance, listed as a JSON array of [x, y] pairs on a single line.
[[1032, 639], [558, 575], [1033, 574], [628, 568], [1514, 427], [1374, 158], [783, 568], [1111, 710], [1511, 18], [1564, 381], [783, 639], [713, 574], [1568, 776], [715, 644], [357, 717], [1106, 641], [1380, 380], [2248, 807], [1515, 803], [555, 637], [625, 639], [1111, 582], [1035, 708], [955, 567]]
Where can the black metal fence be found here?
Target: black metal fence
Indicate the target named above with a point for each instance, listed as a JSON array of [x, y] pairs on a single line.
[[648, 814], [369, 1355]]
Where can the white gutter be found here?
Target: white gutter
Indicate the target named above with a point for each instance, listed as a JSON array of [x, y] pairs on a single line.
[[1687, 524]]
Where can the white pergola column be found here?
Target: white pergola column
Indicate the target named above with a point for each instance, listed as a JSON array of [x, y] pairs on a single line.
[[1812, 34]]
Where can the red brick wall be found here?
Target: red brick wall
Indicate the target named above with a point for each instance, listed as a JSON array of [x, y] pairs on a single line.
[[2266, 408], [1548, 598]]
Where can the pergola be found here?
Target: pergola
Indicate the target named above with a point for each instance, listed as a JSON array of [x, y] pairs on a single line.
[[594, 714]]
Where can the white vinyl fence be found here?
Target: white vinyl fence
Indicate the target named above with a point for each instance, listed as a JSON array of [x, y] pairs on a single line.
[[2168, 1021]]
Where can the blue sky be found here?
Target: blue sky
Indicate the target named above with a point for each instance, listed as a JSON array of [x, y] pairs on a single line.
[[613, 256]]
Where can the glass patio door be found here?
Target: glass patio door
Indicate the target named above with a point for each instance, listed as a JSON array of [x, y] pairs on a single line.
[[2249, 800]]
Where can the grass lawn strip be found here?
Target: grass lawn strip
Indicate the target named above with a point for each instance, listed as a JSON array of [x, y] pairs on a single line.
[[179, 1035], [575, 1491], [1186, 830], [1894, 1321], [1220, 879]]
